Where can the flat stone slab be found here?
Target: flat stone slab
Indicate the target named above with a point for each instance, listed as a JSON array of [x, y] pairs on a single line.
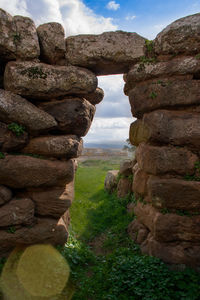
[[22, 171], [107, 53], [181, 36], [14, 108], [42, 81], [67, 146]]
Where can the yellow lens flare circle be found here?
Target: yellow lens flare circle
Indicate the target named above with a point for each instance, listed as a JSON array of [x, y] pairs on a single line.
[[42, 271]]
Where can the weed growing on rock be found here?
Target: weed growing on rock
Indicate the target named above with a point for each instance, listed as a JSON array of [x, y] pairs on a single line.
[[149, 46], [34, 72], [11, 229], [16, 128], [153, 95], [16, 38], [2, 155]]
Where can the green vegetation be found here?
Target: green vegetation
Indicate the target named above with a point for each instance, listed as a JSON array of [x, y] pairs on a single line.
[[197, 56], [2, 155], [34, 72], [16, 128], [16, 38], [11, 229], [153, 95], [119, 271], [194, 177], [149, 46]]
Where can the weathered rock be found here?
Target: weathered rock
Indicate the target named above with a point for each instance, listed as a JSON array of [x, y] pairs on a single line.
[[124, 187], [164, 69], [5, 194], [42, 81], [110, 183], [181, 36], [67, 146], [140, 179], [46, 230], [96, 97], [10, 141], [186, 253], [14, 108], [168, 227], [53, 201], [163, 94], [7, 30], [74, 115], [137, 231], [107, 53], [17, 211], [174, 194], [138, 133], [126, 167], [25, 38], [173, 127], [160, 160], [52, 42], [25, 171]]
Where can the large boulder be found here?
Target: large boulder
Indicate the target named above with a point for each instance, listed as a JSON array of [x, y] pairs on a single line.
[[9, 141], [52, 42], [52, 201], [17, 211], [74, 115], [138, 133], [137, 231], [124, 187], [168, 92], [140, 180], [5, 194], [21, 171], [41, 81], [107, 53], [181, 36], [96, 97], [174, 194], [160, 160], [126, 167], [110, 183], [14, 108], [7, 29], [67, 146]]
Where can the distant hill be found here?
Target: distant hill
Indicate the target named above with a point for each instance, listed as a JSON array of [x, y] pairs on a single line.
[[105, 145]]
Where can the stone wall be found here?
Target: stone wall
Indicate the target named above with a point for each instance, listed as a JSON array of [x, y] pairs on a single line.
[[48, 93]]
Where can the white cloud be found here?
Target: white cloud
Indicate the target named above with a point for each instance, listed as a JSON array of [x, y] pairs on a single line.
[[112, 5], [15, 7], [130, 18]]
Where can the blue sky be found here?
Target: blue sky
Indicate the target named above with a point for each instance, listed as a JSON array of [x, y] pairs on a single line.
[[146, 17]]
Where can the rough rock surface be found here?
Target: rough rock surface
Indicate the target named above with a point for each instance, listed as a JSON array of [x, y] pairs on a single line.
[[137, 231], [110, 183], [138, 132], [163, 94], [139, 186], [25, 171], [14, 108], [124, 187], [126, 167], [174, 194], [10, 141], [74, 115], [96, 97], [67, 146], [52, 201], [5, 194], [160, 160], [107, 53], [52, 42], [181, 36], [42, 81], [7, 29], [17, 211]]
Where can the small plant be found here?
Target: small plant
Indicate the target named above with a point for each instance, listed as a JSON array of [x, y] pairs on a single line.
[[34, 72], [11, 229], [16, 128], [16, 37], [165, 211], [149, 46], [197, 56], [153, 95], [2, 155]]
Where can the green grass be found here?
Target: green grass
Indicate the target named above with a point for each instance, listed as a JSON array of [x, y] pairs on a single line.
[[123, 273]]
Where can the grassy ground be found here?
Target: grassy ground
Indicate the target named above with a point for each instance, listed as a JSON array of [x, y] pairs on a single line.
[[120, 272]]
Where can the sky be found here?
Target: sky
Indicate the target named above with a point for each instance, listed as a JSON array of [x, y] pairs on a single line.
[[146, 17]]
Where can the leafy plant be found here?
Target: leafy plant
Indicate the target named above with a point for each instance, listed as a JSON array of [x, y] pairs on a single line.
[[16, 37], [2, 155], [153, 95], [11, 229], [16, 128], [149, 45]]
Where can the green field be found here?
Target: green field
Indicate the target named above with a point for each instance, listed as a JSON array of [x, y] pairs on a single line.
[[105, 263]]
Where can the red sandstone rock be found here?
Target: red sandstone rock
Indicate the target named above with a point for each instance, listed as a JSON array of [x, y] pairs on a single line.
[[124, 187], [52, 201], [110, 183], [107, 53], [52, 42], [126, 167], [67, 146], [5, 194], [186, 253], [96, 97], [17, 211], [137, 232], [74, 115], [181, 36], [42, 81], [174, 194], [163, 93], [25, 171], [14, 108], [160, 160], [140, 179], [9, 141]]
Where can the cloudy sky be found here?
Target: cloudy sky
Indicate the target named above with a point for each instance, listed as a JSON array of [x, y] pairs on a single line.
[[146, 17]]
